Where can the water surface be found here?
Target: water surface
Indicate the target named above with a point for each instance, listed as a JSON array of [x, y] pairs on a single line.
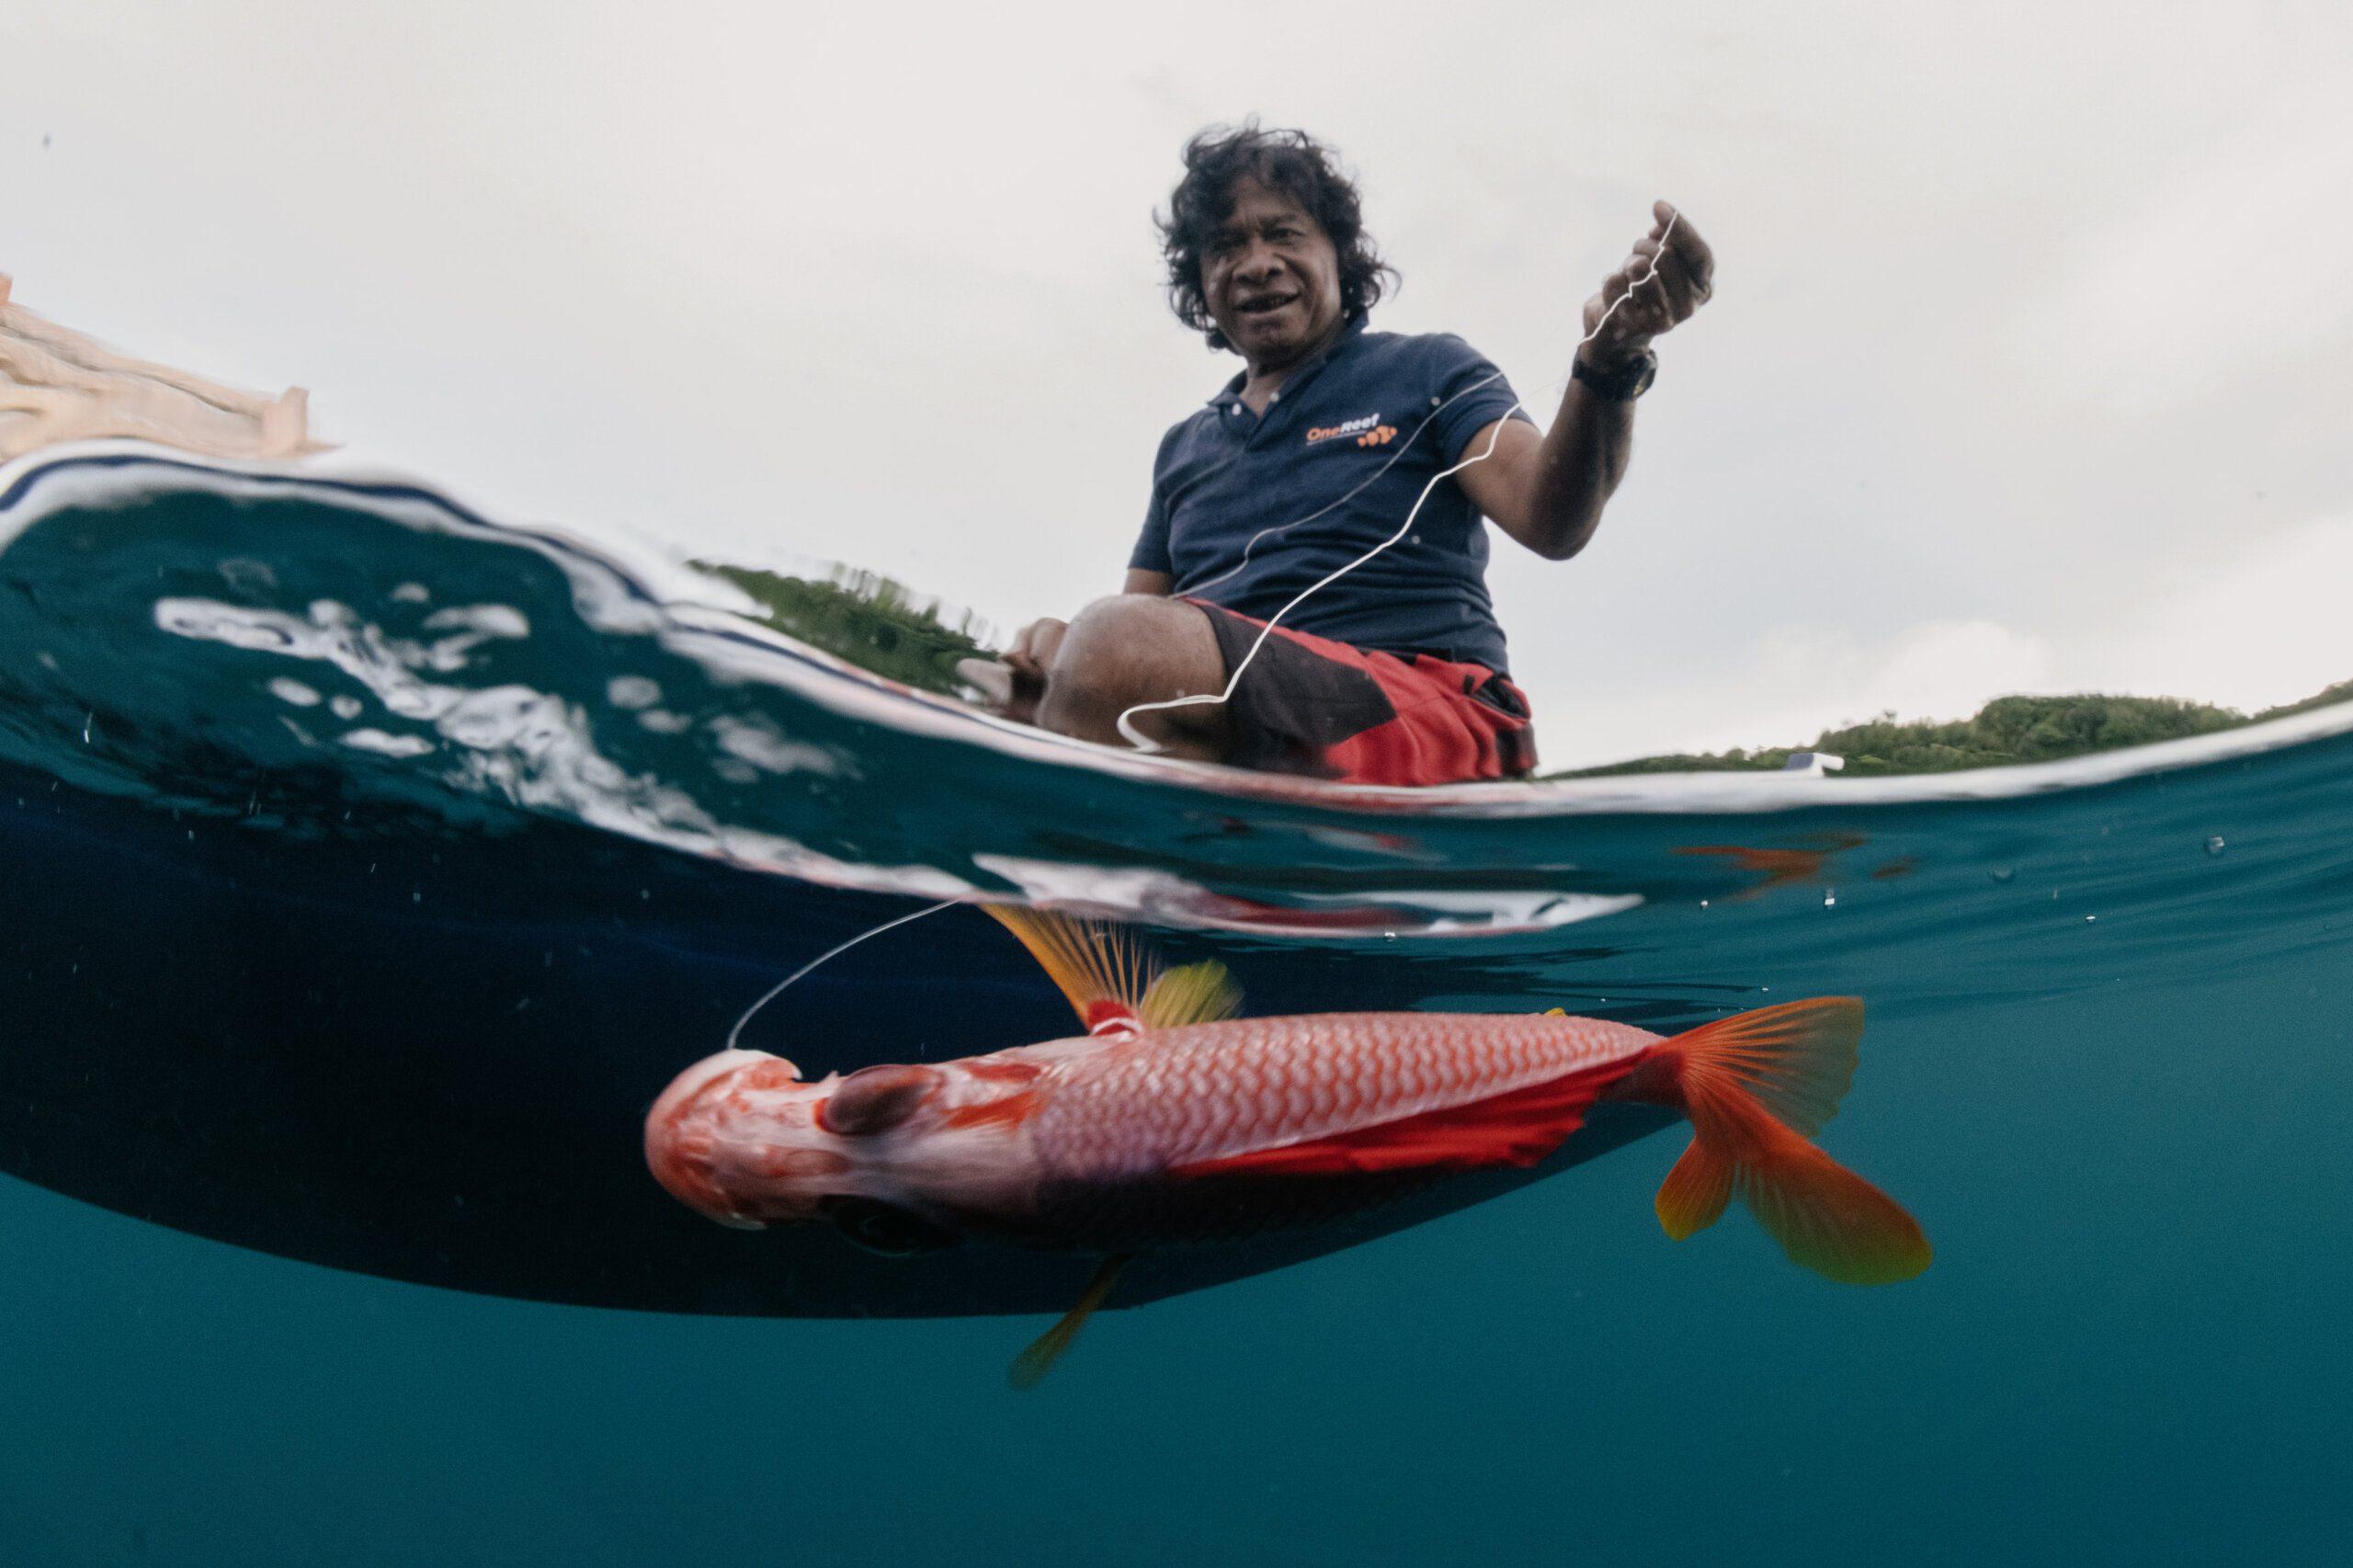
[[396, 1000]]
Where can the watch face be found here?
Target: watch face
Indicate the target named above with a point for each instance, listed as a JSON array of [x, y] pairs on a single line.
[[1623, 385]]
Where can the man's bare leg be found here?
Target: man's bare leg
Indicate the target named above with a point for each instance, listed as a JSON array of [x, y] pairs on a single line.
[[1137, 648], [1077, 680]]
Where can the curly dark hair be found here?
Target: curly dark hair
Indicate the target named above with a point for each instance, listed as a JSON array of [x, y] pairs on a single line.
[[1291, 162]]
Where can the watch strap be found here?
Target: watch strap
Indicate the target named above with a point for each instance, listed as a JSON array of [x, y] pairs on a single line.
[[1624, 385]]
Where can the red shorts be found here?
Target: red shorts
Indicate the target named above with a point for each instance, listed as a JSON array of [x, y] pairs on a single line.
[[1310, 705]]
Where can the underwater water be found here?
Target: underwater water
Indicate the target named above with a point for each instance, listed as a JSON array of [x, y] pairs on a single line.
[[365, 868]]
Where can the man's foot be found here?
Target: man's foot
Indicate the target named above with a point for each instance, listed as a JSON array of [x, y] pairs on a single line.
[[1129, 649], [992, 680]]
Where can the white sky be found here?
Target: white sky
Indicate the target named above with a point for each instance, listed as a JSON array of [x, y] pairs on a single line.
[[2031, 366]]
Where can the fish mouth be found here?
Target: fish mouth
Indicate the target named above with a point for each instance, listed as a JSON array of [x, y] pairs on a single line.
[[690, 1084], [682, 1149]]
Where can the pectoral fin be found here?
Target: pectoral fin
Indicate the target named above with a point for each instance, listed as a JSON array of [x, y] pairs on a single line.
[[1191, 993]]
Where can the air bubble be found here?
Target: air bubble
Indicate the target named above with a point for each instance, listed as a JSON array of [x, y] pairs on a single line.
[[2214, 845], [1830, 899], [2004, 875]]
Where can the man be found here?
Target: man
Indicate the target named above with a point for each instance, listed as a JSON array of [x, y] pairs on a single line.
[[1393, 672]]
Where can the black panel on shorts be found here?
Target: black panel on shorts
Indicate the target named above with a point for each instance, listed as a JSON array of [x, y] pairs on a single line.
[[1294, 702]]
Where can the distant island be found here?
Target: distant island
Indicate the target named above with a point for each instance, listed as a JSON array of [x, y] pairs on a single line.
[[886, 628], [2006, 731]]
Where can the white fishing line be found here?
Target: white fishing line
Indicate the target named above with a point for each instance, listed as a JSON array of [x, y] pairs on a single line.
[[1394, 458], [778, 990], [1144, 743]]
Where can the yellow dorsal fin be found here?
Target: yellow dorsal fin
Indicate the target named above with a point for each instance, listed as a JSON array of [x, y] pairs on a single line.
[[1092, 961], [1190, 994]]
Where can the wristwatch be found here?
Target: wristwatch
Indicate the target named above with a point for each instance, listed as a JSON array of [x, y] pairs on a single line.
[[1624, 385]]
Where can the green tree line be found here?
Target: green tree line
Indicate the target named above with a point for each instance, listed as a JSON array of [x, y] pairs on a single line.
[[2006, 731]]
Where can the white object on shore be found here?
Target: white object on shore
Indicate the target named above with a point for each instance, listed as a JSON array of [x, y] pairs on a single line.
[[58, 386], [1812, 764]]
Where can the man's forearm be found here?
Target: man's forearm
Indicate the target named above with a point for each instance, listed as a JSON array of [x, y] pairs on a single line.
[[1581, 462]]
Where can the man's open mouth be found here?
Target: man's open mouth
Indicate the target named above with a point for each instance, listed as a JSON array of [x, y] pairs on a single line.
[[1264, 303]]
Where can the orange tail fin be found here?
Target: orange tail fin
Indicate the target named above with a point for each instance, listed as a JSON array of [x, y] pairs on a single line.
[[1753, 1086]]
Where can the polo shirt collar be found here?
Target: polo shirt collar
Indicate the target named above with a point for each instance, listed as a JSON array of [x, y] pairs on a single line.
[[1232, 393]]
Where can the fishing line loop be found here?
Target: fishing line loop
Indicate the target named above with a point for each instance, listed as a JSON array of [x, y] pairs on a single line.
[[1136, 738], [778, 989]]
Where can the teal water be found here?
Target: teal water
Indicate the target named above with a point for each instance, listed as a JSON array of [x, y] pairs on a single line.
[[2107, 1066], [2129, 1349]]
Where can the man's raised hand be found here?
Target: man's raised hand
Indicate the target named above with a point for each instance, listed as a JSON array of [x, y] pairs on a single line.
[[1670, 275]]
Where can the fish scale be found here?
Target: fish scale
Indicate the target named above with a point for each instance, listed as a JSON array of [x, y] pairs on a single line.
[[1209, 1091]]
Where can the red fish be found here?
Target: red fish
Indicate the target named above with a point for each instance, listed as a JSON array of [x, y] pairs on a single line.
[[1171, 1120]]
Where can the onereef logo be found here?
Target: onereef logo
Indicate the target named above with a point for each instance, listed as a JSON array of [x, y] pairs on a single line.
[[1368, 431]]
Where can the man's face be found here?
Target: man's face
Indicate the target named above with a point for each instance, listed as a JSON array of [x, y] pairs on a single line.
[[1271, 278]]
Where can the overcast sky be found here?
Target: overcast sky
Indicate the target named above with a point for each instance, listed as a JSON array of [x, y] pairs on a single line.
[[2029, 367]]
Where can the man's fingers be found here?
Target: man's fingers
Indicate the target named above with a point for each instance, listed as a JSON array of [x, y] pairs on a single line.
[[1657, 273], [1623, 311], [1651, 309], [1674, 272], [1669, 276], [1594, 309], [1676, 287], [1699, 261], [1656, 289], [1035, 645]]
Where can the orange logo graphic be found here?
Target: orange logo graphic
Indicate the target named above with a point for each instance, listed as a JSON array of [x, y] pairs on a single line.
[[1367, 428], [1380, 435]]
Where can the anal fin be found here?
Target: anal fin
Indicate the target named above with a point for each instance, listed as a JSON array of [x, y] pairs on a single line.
[[1031, 1366]]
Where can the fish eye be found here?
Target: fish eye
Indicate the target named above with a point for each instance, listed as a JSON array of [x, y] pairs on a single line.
[[876, 1099], [885, 1228]]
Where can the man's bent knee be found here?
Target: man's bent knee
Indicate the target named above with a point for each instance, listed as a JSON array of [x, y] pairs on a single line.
[[1135, 649]]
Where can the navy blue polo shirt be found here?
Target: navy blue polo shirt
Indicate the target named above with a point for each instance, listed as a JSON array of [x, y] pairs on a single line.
[[1328, 471]]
